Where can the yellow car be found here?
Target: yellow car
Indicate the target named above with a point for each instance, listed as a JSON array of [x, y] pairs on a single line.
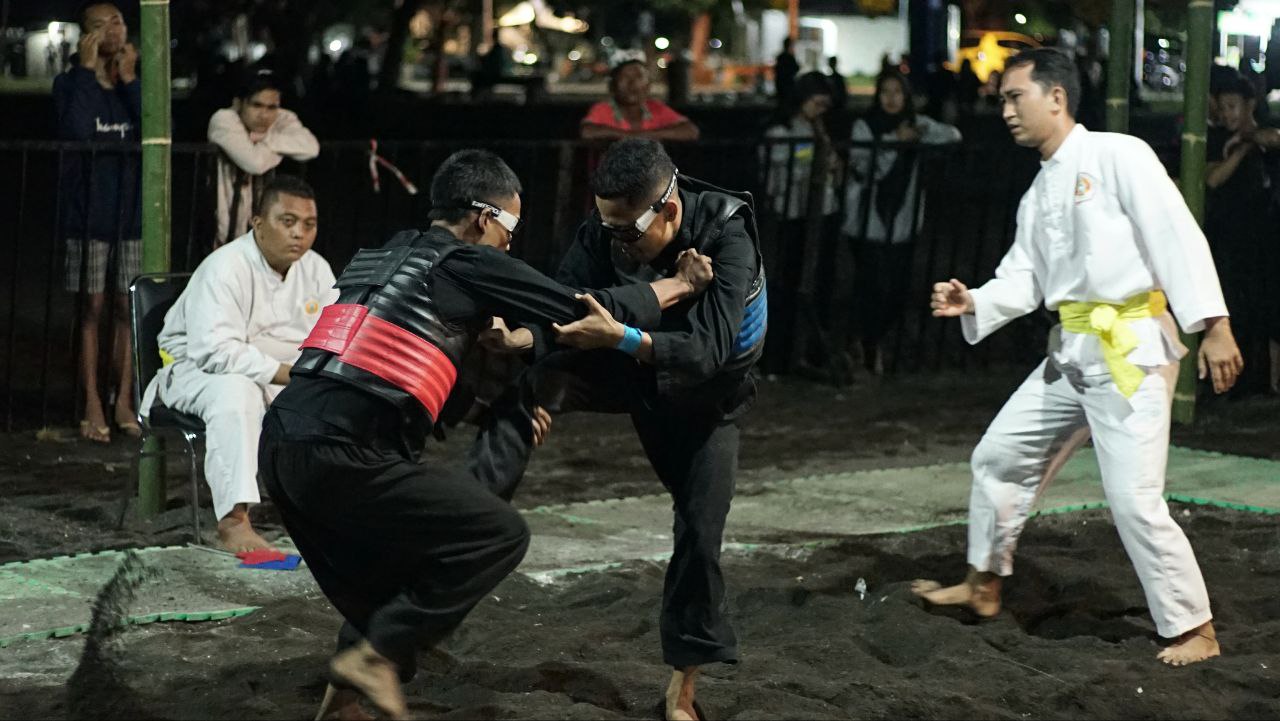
[[987, 51]]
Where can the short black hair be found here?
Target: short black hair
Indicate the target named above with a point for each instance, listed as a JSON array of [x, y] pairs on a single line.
[[282, 184], [469, 175], [258, 81], [1238, 85], [82, 11], [1050, 68], [631, 170]]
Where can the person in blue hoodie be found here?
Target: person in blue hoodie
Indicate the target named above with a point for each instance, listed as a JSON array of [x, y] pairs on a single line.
[[99, 99]]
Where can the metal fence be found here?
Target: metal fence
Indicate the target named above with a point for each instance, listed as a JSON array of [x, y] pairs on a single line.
[[968, 194]]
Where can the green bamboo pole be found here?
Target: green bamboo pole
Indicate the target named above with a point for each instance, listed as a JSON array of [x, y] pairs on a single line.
[[1195, 101], [156, 206], [1119, 64]]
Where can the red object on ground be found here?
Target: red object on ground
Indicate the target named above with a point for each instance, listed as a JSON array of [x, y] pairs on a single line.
[[262, 555]]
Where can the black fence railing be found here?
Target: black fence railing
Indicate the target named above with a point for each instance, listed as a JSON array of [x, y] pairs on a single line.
[[962, 210]]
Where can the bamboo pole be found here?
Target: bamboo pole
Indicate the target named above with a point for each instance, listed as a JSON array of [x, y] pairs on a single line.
[[1120, 65], [156, 206], [1195, 100]]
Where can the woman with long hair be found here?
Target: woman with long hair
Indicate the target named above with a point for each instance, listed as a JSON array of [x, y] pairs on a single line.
[[883, 208]]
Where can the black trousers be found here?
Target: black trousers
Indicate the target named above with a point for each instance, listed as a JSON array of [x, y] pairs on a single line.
[[694, 453], [404, 551], [882, 275]]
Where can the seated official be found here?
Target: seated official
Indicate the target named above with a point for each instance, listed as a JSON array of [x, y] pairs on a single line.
[[231, 338]]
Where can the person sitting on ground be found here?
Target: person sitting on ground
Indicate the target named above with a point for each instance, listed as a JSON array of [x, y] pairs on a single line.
[[630, 112], [254, 134], [231, 338]]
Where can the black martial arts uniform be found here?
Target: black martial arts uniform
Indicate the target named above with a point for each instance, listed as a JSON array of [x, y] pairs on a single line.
[[684, 406], [404, 549]]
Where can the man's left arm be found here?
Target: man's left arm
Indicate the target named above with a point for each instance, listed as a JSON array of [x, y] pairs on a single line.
[[289, 137], [1180, 259], [1175, 246], [697, 352]]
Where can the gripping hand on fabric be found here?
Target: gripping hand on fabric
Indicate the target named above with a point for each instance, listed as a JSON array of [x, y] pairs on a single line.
[[695, 269]]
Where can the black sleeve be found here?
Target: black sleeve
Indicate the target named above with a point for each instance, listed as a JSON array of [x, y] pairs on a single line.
[[697, 351], [1215, 143], [499, 285], [586, 264]]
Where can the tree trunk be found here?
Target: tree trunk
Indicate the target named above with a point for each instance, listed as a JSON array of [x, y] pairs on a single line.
[[1120, 65], [1195, 99], [157, 190]]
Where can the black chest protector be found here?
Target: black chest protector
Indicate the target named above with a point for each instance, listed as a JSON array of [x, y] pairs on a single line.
[[384, 334]]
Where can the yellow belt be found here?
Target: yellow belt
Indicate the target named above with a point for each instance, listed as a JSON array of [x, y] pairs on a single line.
[[1110, 322], [166, 359]]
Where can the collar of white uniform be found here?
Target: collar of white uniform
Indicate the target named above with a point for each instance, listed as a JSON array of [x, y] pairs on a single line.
[[261, 260], [1070, 147]]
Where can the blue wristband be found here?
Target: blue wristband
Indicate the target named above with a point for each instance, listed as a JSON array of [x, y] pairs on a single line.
[[630, 342]]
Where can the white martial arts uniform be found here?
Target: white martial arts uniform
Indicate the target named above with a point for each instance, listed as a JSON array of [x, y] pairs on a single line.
[[1101, 223], [228, 333]]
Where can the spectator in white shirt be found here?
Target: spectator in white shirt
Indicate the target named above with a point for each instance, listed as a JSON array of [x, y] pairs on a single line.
[[1103, 235], [231, 338], [254, 134]]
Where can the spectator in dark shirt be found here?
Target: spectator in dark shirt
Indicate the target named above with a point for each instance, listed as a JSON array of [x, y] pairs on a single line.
[[1241, 226], [99, 99]]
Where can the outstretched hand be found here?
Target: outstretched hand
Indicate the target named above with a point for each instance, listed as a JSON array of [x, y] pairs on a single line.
[[950, 299], [596, 329]]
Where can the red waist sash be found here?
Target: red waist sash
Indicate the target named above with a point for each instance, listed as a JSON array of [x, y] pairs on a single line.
[[408, 362]]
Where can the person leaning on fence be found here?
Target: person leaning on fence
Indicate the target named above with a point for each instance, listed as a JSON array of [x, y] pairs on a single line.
[[1105, 239], [231, 338], [630, 112], [255, 134], [797, 142], [99, 99], [883, 208]]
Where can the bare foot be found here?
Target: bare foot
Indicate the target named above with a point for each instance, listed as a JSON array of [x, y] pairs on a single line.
[[342, 704], [370, 673], [980, 592], [680, 695], [236, 534], [1198, 644]]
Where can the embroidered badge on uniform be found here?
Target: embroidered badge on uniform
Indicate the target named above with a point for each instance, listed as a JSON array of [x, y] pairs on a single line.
[[311, 307], [1085, 186]]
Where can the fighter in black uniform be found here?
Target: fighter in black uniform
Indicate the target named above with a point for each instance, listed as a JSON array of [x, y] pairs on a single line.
[[685, 384], [404, 550]]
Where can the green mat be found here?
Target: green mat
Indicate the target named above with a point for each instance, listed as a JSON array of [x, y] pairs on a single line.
[[53, 597]]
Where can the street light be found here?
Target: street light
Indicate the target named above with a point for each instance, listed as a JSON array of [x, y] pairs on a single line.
[[661, 43], [1022, 19]]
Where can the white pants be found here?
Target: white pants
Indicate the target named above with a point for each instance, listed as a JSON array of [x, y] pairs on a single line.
[[1050, 415], [231, 407]]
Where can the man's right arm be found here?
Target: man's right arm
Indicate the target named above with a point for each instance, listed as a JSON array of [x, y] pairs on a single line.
[[227, 132], [75, 94], [1014, 292], [218, 324]]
